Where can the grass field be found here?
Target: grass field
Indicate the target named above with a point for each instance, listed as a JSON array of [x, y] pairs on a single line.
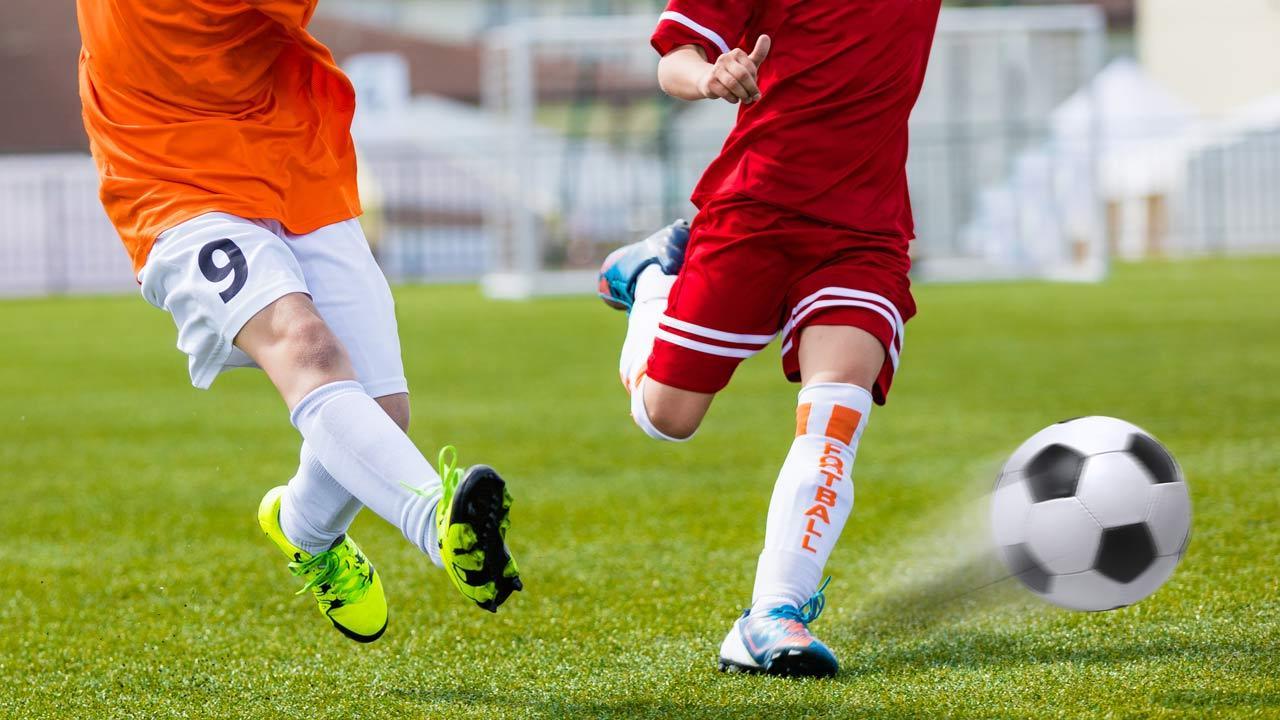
[[135, 582]]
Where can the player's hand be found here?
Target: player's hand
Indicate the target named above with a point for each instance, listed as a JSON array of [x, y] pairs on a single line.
[[733, 76]]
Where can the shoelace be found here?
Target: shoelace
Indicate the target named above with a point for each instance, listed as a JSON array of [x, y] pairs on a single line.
[[450, 475], [809, 611], [326, 568]]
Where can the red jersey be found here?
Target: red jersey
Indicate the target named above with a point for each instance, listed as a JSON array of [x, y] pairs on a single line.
[[828, 136]]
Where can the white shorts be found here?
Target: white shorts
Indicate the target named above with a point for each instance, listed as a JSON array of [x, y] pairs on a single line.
[[215, 272]]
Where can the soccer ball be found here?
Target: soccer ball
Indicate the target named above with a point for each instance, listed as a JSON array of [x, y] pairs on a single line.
[[1091, 513]]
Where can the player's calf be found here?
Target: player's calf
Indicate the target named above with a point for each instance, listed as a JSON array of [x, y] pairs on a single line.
[[668, 413]]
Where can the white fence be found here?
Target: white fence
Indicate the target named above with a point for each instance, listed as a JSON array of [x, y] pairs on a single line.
[[54, 236], [449, 189]]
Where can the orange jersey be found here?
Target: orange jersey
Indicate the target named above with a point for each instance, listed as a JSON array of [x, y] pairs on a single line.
[[197, 106]]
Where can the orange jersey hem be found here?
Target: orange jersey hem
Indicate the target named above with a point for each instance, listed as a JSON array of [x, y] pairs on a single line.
[[144, 238]]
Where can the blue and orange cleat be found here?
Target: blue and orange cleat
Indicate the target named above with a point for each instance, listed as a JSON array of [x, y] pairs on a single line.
[[778, 642], [619, 272]]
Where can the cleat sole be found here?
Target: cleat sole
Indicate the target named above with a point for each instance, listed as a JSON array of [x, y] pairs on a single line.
[[352, 634], [785, 663], [482, 503]]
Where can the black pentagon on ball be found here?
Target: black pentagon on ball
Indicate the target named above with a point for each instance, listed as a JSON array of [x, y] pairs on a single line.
[[1152, 455], [1125, 552], [1053, 473], [1025, 568]]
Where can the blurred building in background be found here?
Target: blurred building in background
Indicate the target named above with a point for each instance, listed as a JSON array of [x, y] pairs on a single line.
[[39, 47], [514, 139]]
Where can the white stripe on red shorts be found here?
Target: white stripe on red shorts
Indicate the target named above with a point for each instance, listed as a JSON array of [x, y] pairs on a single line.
[[709, 340], [847, 297]]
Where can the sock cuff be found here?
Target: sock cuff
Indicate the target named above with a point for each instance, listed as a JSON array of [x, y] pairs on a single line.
[[317, 398], [848, 393], [838, 411]]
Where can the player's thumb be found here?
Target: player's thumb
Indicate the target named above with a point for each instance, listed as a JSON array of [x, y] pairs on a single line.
[[763, 43]]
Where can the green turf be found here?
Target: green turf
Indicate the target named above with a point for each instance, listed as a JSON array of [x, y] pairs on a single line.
[[135, 582]]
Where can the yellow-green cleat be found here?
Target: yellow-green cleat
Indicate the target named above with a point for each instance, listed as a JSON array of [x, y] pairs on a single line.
[[472, 520], [346, 587]]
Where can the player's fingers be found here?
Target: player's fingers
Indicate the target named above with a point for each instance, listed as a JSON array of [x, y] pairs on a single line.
[[717, 89], [761, 51], [738, 56], [727, 79], [746, 77]]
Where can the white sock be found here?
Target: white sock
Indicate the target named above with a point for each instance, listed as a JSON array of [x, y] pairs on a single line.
[[369, 455], [652, 288], [814, 494], [315, 510]]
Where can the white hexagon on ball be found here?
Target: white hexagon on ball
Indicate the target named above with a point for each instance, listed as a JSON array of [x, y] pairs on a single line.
[[1169, 518], [1062, 536], [1088, 590], [1116, 489]]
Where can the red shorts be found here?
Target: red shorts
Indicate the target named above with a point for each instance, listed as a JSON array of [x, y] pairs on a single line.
[[754, 271]]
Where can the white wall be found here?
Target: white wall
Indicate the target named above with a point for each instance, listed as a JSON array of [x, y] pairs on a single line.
[[1216, 54]]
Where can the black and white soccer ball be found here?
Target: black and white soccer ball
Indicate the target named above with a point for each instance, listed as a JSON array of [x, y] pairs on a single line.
[[1091, 513]]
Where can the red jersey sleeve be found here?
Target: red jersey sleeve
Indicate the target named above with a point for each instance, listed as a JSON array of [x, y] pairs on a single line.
[[714, 25]]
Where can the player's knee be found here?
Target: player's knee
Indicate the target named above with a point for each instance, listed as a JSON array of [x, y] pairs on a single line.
[[313, 346], [862, 377], [840, 354]]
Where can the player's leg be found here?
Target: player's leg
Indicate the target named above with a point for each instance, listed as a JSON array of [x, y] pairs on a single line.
[[316, 510], [812, 500], [213, 273], [638, 278], [842, 341], [460, 519], [668, 413], [686, 334], [813, 496]]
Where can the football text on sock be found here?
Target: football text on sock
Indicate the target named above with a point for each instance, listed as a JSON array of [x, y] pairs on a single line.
[[813, 496]]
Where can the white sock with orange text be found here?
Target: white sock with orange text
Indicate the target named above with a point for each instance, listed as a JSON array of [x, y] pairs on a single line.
[[814, 494]]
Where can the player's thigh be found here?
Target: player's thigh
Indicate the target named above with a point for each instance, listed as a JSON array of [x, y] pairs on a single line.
[[212, 274], [726, 303], [839, 313], [353, 297]]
